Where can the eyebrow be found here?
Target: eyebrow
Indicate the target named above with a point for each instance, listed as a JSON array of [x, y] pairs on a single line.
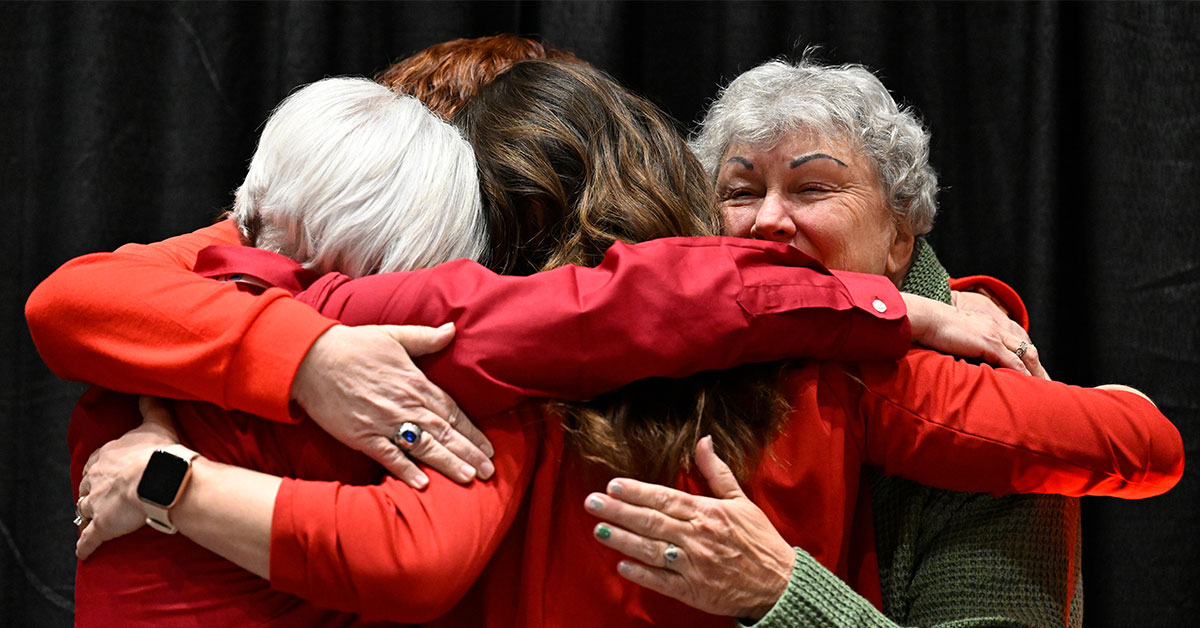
[[741, 160], [807, 158]]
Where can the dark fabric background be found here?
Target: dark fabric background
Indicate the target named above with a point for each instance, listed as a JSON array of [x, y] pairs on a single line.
[[1066, 135]]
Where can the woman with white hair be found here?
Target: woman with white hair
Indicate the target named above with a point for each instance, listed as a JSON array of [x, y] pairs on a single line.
[[823, 158]]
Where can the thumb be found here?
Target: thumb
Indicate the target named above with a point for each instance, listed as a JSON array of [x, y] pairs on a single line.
[[156, 415], [720, 478], [418, 340]]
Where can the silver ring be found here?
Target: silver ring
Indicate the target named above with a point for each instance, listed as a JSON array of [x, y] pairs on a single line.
[[78, 521], [1021, 349], [671, 554], [407, 435]]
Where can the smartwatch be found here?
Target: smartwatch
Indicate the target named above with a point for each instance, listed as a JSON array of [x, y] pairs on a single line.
[[162, 484]]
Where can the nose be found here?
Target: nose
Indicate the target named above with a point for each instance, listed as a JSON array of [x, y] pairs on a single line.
[[773, 221]]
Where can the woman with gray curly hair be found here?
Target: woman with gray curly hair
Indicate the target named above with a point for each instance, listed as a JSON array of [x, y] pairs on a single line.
[[823, 158]]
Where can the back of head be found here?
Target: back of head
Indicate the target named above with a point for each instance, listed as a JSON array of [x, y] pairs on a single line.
[[845, 102], [351, 177], [571, 162], [446, 75]]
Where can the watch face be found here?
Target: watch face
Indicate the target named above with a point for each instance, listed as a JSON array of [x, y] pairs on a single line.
[[162, 478]]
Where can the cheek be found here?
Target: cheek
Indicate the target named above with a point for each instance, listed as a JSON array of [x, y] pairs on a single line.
[[737, 221]]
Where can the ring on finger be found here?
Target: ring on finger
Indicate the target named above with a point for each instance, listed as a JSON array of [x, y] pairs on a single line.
[[407, 435], [671, 554], [1021, 349], [78, 521]]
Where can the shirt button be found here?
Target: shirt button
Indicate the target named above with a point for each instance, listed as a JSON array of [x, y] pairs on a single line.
[[879, 306]]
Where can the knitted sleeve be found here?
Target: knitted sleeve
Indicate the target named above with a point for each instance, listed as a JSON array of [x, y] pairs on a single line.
[[956, 560], [947, 559], [963, 559]]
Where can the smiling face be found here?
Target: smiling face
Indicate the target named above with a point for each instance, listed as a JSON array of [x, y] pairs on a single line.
[[817, 194]]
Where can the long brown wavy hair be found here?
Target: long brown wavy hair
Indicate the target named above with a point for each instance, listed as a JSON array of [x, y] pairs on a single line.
[[571, 162]]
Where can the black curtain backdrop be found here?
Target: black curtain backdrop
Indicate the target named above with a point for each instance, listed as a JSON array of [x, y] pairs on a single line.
[[1066, 136]]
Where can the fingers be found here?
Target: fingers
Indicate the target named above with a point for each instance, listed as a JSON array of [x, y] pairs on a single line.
[[386, 453], [156, 415], [668, 501], [443, 447], [720, 477], [664, 581], [86, 544], [449, 423], [153, 409], [1033, 361], [437, 454], [639, 520], [650, 551], [1005, 357], [419, 340]]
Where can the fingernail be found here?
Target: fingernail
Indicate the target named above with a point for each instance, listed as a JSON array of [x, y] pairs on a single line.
[[624, 567], [603, 532], [446, 326], [595, 503], [489, 451], [420, 482], [615, 487], [467, 471], [486, 470]]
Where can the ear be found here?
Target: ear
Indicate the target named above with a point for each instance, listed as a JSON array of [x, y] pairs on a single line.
[[899, 254]]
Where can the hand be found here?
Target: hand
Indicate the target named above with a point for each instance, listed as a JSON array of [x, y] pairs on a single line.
[[359, 384], [967, 334], [108, 491], [983, 303], [731, 559]]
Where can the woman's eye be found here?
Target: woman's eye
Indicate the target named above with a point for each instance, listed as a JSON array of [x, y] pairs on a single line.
[[735, 194]]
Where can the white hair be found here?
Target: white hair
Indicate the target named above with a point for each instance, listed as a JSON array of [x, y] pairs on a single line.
[[351, 177], [845, 102]]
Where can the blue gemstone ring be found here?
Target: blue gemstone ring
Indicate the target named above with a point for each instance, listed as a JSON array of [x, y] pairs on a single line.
[[407, 435]]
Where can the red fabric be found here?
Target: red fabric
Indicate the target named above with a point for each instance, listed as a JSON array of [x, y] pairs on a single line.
[[139, 320], [386, 552], [1002, 293], [874, 413], [728, 291]]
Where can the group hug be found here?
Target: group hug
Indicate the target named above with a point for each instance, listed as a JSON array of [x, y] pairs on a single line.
[[488, 342]]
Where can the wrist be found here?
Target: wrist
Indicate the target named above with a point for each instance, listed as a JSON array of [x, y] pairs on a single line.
[[919, 315], [772, 612], [310, 367], [163, 483], [773, 590]]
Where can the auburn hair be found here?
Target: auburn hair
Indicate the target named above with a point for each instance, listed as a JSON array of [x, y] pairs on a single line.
[[444, 76], [571, 162]]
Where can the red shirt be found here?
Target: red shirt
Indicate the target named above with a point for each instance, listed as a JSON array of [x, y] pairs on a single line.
[[362, 548], [743, 300]]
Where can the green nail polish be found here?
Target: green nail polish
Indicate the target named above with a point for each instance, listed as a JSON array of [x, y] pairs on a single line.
[[602, 532]]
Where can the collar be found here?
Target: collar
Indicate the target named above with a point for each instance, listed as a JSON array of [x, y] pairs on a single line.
[[223, 260]]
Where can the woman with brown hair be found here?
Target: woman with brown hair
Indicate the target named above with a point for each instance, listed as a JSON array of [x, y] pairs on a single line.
[[594, 164]]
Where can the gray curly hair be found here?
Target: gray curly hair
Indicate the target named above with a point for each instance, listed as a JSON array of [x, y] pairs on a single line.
[[845, 102]]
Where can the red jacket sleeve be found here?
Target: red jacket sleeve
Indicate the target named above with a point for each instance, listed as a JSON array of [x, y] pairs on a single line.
[[665, 308], [946, 423], [138, 320], [998, 291], [390, 552]]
